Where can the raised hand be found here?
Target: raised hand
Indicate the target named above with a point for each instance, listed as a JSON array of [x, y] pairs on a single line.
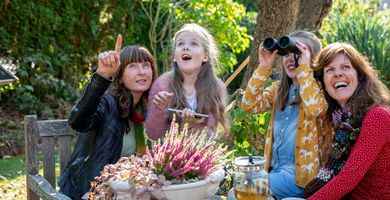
[[305, 57], [109, 61], [162, 99], [266, 58]]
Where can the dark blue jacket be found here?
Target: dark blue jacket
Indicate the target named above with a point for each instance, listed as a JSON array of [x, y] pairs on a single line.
[[96, 117]]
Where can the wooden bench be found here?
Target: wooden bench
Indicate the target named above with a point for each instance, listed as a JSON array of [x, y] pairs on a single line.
[[41, 136]]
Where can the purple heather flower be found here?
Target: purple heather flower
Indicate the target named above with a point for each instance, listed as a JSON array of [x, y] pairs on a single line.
[[346, 125], [183, 154]]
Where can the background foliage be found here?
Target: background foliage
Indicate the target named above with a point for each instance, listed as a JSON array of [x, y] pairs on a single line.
[[364, 26], [54, 43], [249, 132]]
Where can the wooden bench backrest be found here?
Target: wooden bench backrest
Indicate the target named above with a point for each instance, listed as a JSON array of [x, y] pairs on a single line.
[[45, 131]]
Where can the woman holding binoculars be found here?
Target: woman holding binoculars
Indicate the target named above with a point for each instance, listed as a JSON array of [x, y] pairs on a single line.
[[298, 131]]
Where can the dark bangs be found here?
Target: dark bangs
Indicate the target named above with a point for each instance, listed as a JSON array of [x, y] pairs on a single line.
[[137, 54]]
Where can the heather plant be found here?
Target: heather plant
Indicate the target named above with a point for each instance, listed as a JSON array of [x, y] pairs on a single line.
[[182, 157]]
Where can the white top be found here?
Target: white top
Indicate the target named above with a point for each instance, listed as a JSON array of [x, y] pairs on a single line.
[[128, 145], [191, 100]]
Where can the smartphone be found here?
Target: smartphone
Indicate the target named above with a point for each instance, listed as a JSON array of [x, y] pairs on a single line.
[[196, 115]]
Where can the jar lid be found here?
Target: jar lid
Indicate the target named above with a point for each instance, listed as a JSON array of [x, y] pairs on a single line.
[[249, 163]]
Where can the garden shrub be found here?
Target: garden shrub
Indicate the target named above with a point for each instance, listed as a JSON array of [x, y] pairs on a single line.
[[54, 45], [363, 26], [248, 130]]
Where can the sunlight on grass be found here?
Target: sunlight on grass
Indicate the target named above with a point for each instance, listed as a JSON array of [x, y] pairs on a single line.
[[13, 188], [13, 177]]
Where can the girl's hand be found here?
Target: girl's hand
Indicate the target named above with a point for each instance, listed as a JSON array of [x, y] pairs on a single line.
[[162, 99], [266, 58], [109, 61], [188, 116], [305, 57]]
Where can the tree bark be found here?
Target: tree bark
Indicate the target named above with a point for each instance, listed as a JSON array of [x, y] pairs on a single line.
[[275, 19], [312, 13], [279, 17]]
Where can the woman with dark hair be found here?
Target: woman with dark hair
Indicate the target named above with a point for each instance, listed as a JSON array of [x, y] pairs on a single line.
[[358, 162], [109, 115]]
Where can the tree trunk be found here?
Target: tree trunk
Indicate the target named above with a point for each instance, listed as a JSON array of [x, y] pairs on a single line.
[[311, 14], [278, 17], [275, 19]]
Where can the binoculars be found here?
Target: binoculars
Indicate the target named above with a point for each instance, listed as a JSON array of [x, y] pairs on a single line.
[[284, 45]]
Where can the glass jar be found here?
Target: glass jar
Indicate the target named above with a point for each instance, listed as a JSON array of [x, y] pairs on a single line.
[[251, 181]]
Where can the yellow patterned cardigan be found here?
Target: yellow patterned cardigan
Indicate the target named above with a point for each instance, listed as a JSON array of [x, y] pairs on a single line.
[[314, 132]]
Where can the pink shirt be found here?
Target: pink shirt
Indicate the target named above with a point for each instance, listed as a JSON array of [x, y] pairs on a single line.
[[366, 175]]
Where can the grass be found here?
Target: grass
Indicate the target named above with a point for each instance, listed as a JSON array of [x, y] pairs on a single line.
[[13, 177]]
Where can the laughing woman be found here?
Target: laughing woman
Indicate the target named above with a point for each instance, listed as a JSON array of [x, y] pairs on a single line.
[[358, 163]]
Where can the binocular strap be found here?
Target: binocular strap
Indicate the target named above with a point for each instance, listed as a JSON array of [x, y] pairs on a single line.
[[296, 58]]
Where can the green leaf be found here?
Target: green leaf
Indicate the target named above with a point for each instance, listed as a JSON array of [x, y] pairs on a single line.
[[246, 144]]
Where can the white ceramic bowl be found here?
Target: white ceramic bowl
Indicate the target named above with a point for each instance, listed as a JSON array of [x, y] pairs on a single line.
[[189, 191]]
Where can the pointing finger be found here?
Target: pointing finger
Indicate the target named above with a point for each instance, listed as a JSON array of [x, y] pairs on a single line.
[[118, 45]]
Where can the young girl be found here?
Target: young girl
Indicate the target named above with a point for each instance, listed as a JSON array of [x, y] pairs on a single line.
[[293, 147], [192, 86]]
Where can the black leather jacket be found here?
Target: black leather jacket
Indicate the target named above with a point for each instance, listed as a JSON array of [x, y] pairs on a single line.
[[96, 117]]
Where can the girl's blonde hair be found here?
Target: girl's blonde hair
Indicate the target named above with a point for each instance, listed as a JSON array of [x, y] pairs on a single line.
[[314, 44], [209, 88]]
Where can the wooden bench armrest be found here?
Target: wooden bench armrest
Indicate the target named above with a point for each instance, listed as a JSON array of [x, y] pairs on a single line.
[[43, 189]]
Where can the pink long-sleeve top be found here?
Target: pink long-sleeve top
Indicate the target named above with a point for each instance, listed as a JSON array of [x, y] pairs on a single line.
[[366, 174], [157, 121]]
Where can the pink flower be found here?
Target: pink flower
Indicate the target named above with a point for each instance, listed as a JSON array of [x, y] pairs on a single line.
[[181, 156], [186, 156]]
